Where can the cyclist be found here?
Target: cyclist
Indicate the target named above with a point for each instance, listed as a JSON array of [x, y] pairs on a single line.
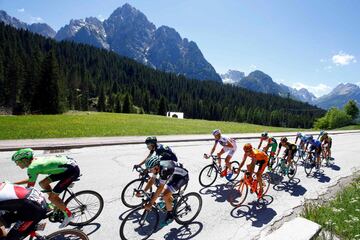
[[25, 207], [58, 168], [326, 144], [161, 150], [315, 147], [229, 145], [290, 150], [257, 158], [299, 136], [172, 176], [271, 142], [306, 140]]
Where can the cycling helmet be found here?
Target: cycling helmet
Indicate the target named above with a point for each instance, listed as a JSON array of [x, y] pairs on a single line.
[[264, 134], [25, 153], [152, 161], [325, 134], [216, 132], [310, 137], [247, 147], [299, 134], [283, 139], [151, 140]]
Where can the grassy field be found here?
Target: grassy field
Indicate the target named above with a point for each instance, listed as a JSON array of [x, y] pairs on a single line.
[[91, 124], [351, 127], [341, 216]]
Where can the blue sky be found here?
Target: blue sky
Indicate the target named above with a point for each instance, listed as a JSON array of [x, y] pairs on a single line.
[[314, 44]]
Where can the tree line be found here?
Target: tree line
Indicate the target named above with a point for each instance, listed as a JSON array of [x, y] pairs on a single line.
[[41, 76]]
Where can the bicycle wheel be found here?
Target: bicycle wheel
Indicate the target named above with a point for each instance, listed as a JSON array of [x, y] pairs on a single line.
[[238, 194], [266, 183], [85, 206], [70, 234], [208, 175], [139, 224], [292, 170], [188, 208], [308, 166], [235, 168], [128, 197]]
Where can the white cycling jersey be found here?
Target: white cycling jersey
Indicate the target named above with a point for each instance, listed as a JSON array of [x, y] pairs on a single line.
[[10, 191], [223, 141]]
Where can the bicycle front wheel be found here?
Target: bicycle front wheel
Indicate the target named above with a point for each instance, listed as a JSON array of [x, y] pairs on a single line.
[[85, 206], [68, 234], [139, 224], [292, 170], [188, 208], [128, 193], [235, 168], [266, 183], [308, 166], [208, 175], [238, 194]]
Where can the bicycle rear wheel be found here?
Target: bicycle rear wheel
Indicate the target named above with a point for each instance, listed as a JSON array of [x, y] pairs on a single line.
[[235, 168], [292, 170], [188, 208], [128, 193], [139, 224], [309, 164], [238, 194], [266, 183], [67, 234], [208, 175], [85, 206]]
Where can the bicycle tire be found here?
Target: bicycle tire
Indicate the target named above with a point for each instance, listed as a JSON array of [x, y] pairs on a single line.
[[182, 205], [238, 194], [308, 166], [235, 168], [266, 181], [134, 212], [293, 166], [211, 172], [61, 234], [82, 208], [126, 198]]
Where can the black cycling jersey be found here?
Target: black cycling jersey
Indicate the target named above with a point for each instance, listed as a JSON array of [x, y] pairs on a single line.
[[164, 152], [289, 146], [169, 168]]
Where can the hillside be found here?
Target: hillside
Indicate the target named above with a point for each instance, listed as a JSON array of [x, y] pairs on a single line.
[[40, 75]]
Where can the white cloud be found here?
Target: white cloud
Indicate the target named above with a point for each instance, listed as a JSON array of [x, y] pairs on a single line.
[[253, 67], [342, 59], [21, 10], [358, 83], [317, 90], [36, 19], [101, 17]]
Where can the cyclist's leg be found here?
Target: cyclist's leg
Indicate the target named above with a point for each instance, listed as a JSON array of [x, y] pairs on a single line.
[[28, 214], [262, 166], [219, 156]]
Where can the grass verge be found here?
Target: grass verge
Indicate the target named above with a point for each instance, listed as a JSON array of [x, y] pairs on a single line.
[[341, 215], [93, 124]]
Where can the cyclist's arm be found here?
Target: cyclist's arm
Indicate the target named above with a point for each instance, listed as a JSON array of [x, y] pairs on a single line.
[[149, 183], [243, 161], [25, 181], [278, 151], [260, 143], [229, 144], [213, 149], [145, 159], [157, 193]]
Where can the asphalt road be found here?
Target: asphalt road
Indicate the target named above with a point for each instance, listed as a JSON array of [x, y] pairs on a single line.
[[108, 169]]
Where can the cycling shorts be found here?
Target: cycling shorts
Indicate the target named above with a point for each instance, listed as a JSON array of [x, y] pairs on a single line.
[[176, 182], [71, 173]]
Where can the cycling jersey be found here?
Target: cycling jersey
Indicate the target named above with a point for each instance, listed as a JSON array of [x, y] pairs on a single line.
[[10, 191], [164, 152], [261, 159], [316, 146], [173, 174], [289, 147], [223, 141]]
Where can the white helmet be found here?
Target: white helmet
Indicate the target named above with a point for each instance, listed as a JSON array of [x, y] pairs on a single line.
[[216, 132]]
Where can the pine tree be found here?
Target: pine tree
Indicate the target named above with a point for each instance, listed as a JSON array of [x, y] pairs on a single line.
[[127, 104], [162, 107], [101, 105]]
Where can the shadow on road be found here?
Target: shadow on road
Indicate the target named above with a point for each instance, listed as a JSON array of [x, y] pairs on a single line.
[[335, 167], [256, 211], [90, 228], [219, 192], [321, 177], [184, 232], [123, 215], [292, 186]]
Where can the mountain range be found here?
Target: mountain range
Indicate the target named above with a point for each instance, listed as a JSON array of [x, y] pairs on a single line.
[[260, 82], [129, 33]]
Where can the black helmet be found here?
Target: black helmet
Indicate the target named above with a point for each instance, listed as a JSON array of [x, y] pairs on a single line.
[[283, 139], [264, 134], [150, 140]]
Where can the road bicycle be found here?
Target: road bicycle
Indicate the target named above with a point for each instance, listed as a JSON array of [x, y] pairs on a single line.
[[310, 163], [281, 169], [299, 155], [209, 173], [85, 206], [240, 189], [140, 223], [128, 197]]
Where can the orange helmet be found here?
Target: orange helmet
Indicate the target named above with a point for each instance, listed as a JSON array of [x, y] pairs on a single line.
[[247, 147]]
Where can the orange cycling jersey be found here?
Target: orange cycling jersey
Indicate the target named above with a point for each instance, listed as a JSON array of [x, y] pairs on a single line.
[[259, 155]]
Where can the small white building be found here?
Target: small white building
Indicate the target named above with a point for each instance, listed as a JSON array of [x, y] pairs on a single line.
[[175, 114]]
